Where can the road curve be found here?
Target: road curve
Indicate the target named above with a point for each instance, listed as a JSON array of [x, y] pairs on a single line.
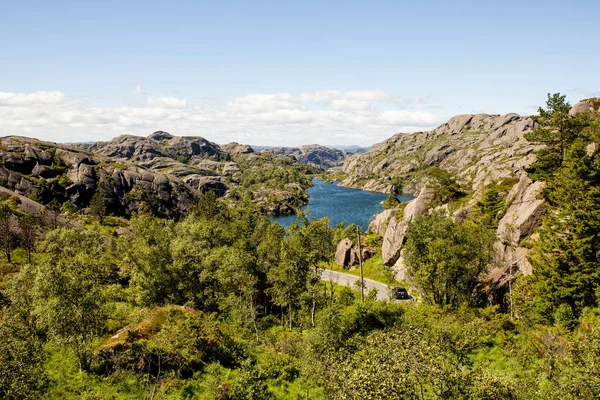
[[383, 291]]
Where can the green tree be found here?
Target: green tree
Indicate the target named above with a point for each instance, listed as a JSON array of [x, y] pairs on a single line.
[[318, 238], [21, 359], [146, 260], [301, 250], [446, 258], [250, 384], [566, 256], [71, 296], [208, 205], [66, 207], [22, 356], [491, 206], [397, 186], [556, 130], [269, 249], [28, 225], [54, 208], [391, 201], [7, 237], [443, 185], [346, 296], [235, 270], [97, 204]]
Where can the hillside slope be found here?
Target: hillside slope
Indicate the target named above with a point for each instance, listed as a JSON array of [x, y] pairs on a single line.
[[478, 152], [479, 149], [166, 172], [45, 171], [450, 169]]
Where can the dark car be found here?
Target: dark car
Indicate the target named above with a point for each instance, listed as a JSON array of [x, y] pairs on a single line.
[[400, 293]]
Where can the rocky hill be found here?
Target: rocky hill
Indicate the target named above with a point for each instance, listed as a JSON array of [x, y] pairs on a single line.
[[471, 154], [236, 149], [45, 171], [314, 154], [167, 172], [194, 160], [479, 149]]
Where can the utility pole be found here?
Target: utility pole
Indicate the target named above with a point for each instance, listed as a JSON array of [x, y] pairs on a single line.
[[362, 282], [512, 307]]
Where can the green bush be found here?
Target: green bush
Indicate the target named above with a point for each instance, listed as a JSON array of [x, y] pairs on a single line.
[[390, 202]]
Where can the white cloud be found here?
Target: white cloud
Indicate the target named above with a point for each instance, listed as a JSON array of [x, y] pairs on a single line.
[[413, 118], [587, 92], [328, 117], [43, 97], [369, 95], [346, 104], [262, 103], [139, 89], [168, 102], [419, 100]]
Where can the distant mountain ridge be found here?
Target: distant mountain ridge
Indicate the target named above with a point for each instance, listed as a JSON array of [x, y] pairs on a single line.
[[315, 154]]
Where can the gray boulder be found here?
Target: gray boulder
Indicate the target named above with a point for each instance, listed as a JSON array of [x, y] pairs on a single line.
[[525, 211], [380, 223], [346, 254], [590, 106], [235, 149], [393, 240], [343, 253], [120, 231], [400, 269]]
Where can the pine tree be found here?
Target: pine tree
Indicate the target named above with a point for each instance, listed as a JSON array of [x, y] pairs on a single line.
[[566, 257], [54, 208], [28, 224], [557, 129], [97, 206], [6, 231]]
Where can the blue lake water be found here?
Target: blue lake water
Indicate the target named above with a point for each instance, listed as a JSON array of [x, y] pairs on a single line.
[[341, 204]]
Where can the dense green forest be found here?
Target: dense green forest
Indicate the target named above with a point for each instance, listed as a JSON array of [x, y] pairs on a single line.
[[224, 304]]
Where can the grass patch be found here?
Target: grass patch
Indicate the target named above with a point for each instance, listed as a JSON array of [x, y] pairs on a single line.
[[107, 228], [19, 259], [373, 268], [67, 382]]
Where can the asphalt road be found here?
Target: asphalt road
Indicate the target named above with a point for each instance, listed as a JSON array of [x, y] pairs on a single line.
[[383, 291]]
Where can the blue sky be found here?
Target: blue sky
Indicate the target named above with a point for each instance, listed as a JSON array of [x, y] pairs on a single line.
[[285, 73]]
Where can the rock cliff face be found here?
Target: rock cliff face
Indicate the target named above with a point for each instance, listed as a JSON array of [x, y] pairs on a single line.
[[380, 223], [393, 238], [479, 149], [194, 160], [167, 172], [44, 170], [159, 145], [481, 152], [315, 154]]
